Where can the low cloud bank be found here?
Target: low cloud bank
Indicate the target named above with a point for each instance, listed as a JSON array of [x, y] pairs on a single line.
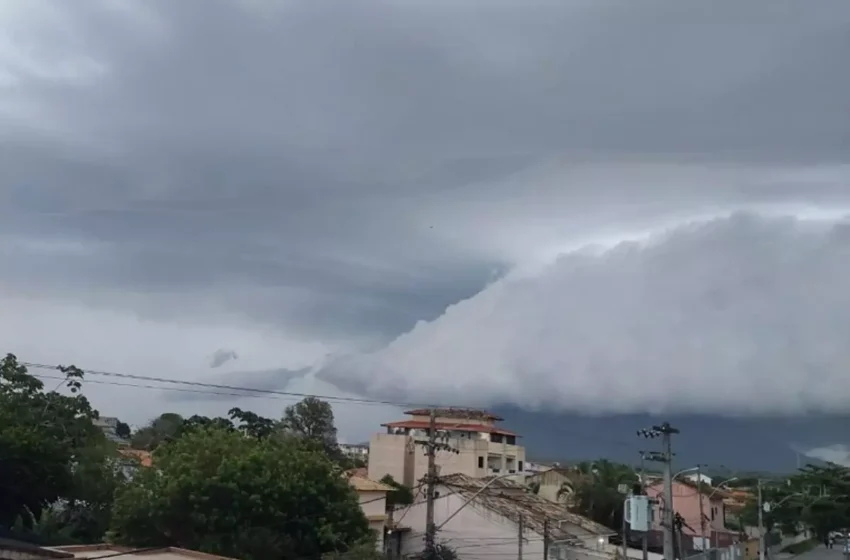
[[740, 314]]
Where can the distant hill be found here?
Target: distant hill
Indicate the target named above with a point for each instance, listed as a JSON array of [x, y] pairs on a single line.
[[762, 445]]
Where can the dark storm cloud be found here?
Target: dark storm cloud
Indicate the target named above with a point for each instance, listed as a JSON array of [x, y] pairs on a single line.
[[351, 168]]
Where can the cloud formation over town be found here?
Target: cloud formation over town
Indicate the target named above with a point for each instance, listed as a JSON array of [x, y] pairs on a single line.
[[391, 195]]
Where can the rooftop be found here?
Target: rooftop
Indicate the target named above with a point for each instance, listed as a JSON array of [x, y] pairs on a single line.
[[144, 457], [424, 425], [29, 549], [363, 484], [105, 550], [457, 413], [512, 500]]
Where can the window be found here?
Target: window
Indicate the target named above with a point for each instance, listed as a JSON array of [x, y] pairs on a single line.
[[519, 466], [481, 462], [510, 440], [713, 512], [496, 438]]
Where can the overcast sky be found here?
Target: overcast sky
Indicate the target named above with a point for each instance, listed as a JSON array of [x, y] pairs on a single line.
[[589, 205]]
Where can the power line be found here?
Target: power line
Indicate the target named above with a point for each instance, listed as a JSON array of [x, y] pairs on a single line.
[[355, 400]]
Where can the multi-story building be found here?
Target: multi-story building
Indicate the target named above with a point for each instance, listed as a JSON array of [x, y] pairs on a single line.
[[479, 447], [109, 426], [359, 451]]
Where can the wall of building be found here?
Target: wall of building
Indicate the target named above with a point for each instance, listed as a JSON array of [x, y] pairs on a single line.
[[373, 503], [477, 533], [391, 455], [686, 501], [467, 421]]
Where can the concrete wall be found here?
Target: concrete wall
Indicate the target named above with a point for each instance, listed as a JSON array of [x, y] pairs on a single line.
[[391, 455]]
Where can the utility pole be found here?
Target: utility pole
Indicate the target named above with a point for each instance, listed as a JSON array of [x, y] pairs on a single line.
[[519, 538], [645, 537], [762, 551], [430, 491], [546, 539], [701, 511], [431, 447], [665, 431]]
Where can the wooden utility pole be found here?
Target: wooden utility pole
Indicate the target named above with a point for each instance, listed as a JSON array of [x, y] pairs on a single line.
[[519, 538], [546, 539], [431, 486]]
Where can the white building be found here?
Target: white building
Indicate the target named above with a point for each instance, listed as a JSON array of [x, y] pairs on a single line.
[[702, 477], [355, 450], [486, 526]]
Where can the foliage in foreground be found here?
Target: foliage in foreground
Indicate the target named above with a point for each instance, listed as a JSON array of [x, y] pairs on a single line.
[[218, 491], [57, 470]]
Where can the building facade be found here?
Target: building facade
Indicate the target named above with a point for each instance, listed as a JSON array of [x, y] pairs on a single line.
[[686, 502], [373, 501], [479, 446]]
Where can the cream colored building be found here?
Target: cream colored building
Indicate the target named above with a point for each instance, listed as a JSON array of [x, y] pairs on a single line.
[[480, 447], [373, 502]]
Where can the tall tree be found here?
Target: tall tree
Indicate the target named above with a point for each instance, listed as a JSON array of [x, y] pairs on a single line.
[[252, 424], [165, 427], [313, 420], [220, 492], [42, 437]]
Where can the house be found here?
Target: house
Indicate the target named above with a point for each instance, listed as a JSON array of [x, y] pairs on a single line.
[[687, 496], [109, 426], [698, 477], [481, 518], [12, 549], [736, 499], [549, 483], [131, 459], [373, 502], [480, 447], [108, 550], [144, 457]]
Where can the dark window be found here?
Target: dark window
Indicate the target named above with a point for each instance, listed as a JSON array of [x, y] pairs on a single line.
[[713, 513], [519, 466], [510, 440], [481, 462], [496, 438]]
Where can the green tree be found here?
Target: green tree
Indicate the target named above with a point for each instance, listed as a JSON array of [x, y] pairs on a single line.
[[42, 438], [312, 419], [401, 494], [252, 424], [122, 430], [165, 427], [221, 492], [597, 493]]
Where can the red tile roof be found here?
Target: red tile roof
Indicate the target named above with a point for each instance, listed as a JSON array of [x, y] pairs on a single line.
[[423, 425], [144, 457]]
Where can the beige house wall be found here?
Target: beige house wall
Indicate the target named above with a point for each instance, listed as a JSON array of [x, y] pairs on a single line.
[[406, 462]]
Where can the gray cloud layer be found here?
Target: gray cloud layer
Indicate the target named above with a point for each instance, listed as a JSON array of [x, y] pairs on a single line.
[[333, 173]]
